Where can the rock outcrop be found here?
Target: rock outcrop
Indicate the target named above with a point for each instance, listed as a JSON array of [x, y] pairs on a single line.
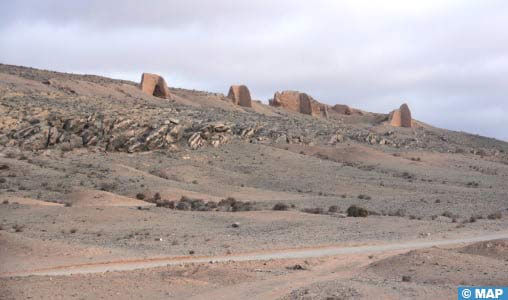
[[342, 109], [401, 117], [155, 85], [240, 95], [297, 102]]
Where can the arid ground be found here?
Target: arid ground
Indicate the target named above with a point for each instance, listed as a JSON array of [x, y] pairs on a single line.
[[110, 193]]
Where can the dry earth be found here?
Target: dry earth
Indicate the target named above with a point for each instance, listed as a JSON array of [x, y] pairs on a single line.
[[92, 170]]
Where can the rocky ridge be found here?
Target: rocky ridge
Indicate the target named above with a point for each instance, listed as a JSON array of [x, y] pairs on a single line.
[[38, 120]]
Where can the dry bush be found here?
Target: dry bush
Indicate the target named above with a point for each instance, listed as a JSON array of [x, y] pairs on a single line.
[[333, 209], [356, 211], [280, 206], [313, 210], [495, 216]]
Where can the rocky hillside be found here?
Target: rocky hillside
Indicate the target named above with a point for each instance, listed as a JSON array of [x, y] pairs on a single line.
[[45, 109]]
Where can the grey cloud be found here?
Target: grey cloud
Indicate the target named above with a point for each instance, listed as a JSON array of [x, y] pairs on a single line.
[[447, 59]]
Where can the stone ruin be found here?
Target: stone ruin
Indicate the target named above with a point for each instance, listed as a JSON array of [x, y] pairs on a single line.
[[401, 117], [155, 85], [342, 109], [298, 102], [240, 95]]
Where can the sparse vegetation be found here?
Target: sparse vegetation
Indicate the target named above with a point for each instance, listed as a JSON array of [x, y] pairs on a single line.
[[364, 197], [194, 204], [495, 216], [333, 209], [166, 204], [356, 211], [280, 206], [449, 215], [18, 228], [313, 210], [140, 196], [473, 184]]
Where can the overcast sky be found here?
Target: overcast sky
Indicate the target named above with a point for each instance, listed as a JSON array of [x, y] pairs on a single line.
[[447, 59]]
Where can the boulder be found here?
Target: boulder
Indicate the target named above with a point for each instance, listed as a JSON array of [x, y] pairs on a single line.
[[155, 85], [401, 117], [240, 95]]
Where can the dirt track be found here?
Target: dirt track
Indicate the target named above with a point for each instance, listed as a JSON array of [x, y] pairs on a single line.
[[123, 265]]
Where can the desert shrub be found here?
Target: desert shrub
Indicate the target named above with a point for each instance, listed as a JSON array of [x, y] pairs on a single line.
[[449, 215], [211, 204], [182, 205], [73, 230], [229, 201], [165, 203], [67, 204], [333, 209], [140, 196], [313, 210], [280, 206], [495, 216], [5, 202], [18, 228], [195, 204], [242, 206], [473, 184], [356, 211], [364, 197], [156, 197]]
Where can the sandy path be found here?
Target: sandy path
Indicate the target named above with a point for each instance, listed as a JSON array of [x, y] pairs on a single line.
[[297, 253]]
